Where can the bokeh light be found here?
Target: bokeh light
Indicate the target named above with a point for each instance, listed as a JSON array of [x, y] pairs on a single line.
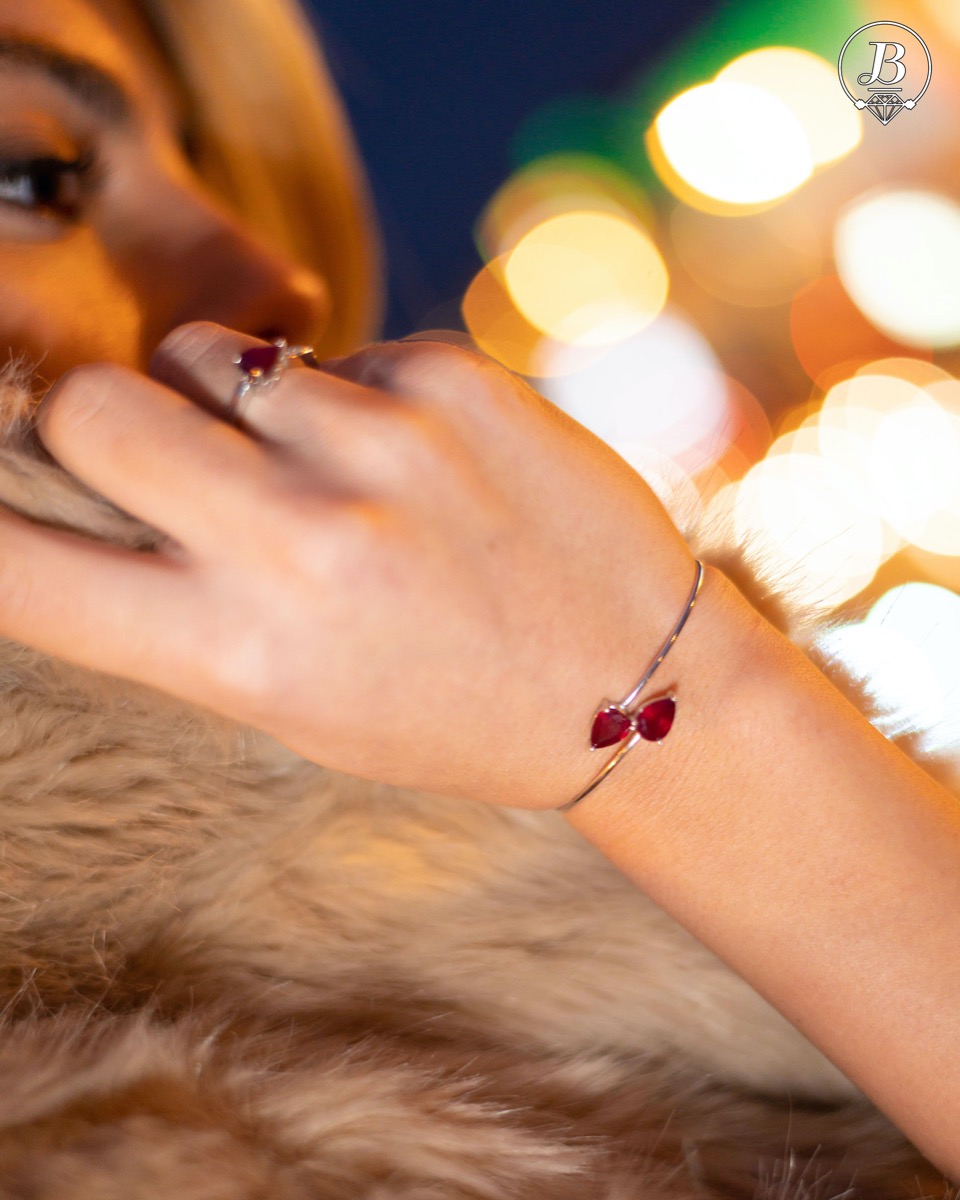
[[760, 260], [830, 335], [731, 142], [899, 677], [945, 16], [907, 653], [805, 519], [551, 186], [664, 388], [587, 278], [807, 85], [898, 255], [915, 465], [896, 426], [502, 331], [494, 323]]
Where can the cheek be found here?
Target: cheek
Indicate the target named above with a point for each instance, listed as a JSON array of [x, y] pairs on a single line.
[[62, 304]]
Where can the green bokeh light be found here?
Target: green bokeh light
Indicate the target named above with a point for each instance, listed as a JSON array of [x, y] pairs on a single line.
[[614, 126]]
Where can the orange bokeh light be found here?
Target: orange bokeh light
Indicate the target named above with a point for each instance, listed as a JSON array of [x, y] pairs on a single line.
[[832, 338], [503, 332]]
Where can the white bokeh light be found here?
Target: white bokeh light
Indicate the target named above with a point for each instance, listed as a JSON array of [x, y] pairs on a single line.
[[734, 142], [898, 255], [898, 678], [907, 653], [807, 85], [587, 278], [915, 465], [902, 441], [664, 388], [807, 520]]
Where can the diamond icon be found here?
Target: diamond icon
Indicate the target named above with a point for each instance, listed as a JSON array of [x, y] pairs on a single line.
[[884, 106]]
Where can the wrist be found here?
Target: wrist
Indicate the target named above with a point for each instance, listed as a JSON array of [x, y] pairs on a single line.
[[723, 645], [805, 851]]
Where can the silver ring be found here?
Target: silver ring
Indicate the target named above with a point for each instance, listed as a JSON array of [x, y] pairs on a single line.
[[263, 367]]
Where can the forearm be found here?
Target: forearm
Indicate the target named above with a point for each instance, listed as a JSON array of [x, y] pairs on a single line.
[[806, 850]]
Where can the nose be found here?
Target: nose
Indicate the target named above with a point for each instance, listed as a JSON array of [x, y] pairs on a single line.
[[216, 267], [242, 283]]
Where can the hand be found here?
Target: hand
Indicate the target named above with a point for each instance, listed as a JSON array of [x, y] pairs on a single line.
[[407, 566]]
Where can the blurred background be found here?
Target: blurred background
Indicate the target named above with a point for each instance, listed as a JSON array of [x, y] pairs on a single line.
[[737, 264]]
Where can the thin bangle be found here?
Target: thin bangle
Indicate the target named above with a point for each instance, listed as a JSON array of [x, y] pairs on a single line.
[[635, 726]]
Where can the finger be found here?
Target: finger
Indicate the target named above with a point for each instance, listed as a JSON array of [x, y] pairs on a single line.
[[201, 360], [452, 380], [151, 452], [354, 440], [99, 606]]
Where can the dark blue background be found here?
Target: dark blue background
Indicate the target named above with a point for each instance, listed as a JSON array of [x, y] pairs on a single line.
[[436, 91]]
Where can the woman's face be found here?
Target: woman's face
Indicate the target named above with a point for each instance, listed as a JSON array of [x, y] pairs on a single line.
[[108, 237]]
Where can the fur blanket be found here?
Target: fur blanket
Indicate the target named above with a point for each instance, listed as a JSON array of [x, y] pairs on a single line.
[[230, 975]]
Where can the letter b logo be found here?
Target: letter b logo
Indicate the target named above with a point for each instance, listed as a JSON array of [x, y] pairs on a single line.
[[900, 71], [880, 60]]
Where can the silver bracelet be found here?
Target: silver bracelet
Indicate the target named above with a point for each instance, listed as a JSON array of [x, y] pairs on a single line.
[[650, 722]]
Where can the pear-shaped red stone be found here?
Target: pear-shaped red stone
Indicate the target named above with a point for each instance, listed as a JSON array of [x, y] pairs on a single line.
[[259, 360], [610, 725], [655, 719]]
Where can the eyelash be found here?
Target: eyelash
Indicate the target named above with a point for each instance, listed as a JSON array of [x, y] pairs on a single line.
[[46, 184]]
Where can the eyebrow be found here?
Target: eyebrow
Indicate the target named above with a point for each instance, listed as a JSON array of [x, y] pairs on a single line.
[[94, 87]]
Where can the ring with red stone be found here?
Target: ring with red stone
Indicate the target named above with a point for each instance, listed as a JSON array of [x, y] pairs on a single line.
[[263, 367], [625, 723]]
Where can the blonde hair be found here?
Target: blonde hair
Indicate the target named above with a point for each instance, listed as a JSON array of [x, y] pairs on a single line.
[[273, 140]]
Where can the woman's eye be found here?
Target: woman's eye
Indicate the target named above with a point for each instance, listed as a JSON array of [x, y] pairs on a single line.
[[53, 186]]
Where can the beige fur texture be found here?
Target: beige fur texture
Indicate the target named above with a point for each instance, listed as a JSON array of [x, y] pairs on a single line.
[[230, 975]]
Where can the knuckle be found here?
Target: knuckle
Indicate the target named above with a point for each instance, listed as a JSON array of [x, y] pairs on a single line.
[[424, 365], [467, 384], [188, 343], [405, 365], [469, 388]]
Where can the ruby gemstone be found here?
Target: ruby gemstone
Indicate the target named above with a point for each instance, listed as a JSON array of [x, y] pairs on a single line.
[[260, 360], [610, 725], [655, 719]]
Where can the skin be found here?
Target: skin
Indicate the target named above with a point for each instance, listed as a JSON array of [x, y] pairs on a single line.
[[413, 568]]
